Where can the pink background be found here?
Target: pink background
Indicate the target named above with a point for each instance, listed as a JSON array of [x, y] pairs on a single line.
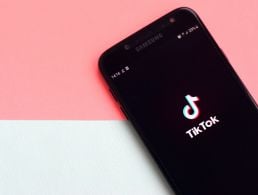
[[49, 50]]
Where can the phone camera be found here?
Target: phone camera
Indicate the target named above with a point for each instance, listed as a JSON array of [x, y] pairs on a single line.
[[171, 20], [127, 47]]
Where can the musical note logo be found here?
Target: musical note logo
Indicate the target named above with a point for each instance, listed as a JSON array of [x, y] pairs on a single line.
[[191, 111]]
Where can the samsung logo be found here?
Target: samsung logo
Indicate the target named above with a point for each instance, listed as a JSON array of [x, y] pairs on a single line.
[[149, 42]]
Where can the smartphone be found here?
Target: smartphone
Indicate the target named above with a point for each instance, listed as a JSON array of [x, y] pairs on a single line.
[[188, 105]]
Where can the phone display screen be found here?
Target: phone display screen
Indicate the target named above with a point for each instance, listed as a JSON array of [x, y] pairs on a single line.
[[188, 105]]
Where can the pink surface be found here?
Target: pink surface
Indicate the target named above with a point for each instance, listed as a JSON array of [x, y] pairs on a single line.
[[49, 50]]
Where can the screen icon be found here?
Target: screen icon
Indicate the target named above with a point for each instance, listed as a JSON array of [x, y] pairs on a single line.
[[191, 111]]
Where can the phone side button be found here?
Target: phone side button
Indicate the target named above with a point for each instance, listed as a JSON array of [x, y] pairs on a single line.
[[112, 93], [124, 112]]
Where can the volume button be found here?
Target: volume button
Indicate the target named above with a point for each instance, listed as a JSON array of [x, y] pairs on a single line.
[[112, 93]]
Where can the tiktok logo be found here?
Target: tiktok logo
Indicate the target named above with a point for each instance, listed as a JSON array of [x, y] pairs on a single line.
[[191, 111]]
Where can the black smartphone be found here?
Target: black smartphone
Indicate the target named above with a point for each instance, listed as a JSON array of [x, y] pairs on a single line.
[[188, 105]]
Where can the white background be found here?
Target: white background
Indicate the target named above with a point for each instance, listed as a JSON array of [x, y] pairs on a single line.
[[75, 158]]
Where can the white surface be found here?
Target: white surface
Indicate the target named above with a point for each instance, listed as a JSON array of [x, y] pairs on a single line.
[[75, 157]]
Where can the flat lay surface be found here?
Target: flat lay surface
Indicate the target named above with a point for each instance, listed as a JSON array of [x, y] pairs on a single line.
[[75, 157], [61, 132]]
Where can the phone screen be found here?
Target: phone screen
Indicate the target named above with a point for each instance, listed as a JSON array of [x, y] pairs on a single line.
[[188, 105]]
